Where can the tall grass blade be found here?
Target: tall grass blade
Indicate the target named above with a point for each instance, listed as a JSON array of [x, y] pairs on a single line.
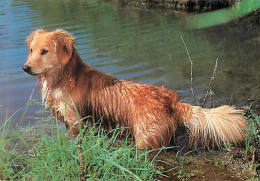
[[123, 169]]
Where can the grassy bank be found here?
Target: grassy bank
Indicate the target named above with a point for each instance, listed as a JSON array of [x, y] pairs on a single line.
[[55, 157], [30, 154]]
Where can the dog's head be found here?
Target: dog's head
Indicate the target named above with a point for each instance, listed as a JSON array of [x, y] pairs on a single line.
[[48, 51]]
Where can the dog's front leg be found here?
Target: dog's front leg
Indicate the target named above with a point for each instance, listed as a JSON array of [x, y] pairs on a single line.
[[74, 123], [58, 114], [71, 119]]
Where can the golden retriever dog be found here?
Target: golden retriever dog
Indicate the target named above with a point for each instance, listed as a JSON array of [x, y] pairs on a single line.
[[74, 90]]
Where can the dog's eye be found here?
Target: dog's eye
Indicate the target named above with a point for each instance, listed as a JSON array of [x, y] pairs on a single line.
[[44, 52], [31, 50]]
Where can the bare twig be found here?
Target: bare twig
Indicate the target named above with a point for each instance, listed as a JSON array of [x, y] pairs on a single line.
[[209, 86], [210, 102], [191, 73], [253, 158], [230, 100], [81, 157], [254, 103]]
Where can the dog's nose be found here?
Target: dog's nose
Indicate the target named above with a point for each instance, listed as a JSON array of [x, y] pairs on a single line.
[[27, 69]]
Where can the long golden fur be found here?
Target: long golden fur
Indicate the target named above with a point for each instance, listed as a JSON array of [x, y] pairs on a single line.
[[73, 90]]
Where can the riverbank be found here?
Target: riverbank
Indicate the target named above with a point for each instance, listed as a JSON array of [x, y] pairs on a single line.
[[177, 5], [189, 5], [46, 151]]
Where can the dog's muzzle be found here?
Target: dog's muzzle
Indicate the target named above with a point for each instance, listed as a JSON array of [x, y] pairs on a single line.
[[28, 70]]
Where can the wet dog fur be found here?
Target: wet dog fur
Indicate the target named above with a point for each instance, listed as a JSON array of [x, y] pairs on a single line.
[[74, 90]]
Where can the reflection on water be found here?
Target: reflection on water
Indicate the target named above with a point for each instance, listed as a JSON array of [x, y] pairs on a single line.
[[134, 45], [225, 15]]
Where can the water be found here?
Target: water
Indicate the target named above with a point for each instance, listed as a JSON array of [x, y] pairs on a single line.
[[139, 45]]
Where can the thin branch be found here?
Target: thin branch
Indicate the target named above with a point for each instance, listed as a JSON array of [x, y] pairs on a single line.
[[210, 102], [209, 86], [254, 103], [191, 73], [81, 156]]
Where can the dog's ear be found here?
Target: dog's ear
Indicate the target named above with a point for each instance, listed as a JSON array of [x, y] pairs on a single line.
[[64, 44], [29, 39]]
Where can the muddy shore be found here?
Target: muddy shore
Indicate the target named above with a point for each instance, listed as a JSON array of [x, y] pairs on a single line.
[[176, 5]]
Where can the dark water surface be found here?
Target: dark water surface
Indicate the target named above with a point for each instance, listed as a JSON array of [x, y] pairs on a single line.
[[138, 45]]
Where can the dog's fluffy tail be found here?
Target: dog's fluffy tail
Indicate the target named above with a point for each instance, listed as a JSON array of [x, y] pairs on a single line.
[[214, 126]]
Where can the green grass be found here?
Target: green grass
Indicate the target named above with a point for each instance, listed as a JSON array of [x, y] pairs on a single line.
[[8, 155], [253, 138], [253, 131], [105, 159], [55, 157]]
